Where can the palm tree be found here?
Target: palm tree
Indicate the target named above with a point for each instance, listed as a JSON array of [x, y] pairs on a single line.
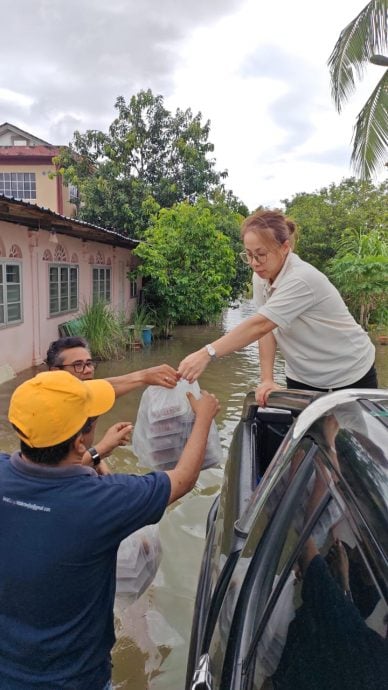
[[358, 42]]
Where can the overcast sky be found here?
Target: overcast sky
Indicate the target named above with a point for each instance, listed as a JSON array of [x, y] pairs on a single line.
[[256, 69]]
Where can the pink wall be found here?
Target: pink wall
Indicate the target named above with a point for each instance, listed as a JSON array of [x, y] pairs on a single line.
[[25, 344]]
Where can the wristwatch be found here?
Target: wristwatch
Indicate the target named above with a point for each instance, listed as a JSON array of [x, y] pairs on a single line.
[[95, 456], [211, 351]]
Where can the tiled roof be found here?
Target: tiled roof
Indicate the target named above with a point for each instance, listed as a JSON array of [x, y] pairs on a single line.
[[38, 217], [23, 151]]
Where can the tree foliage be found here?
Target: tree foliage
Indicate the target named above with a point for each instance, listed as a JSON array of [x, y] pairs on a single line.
[[149, 158], [189, 262], [364, 36], [360, 271], [228, 213], [324, 216]]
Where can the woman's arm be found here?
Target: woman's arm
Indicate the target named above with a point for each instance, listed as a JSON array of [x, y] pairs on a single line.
[[244, 334], [267, 350]]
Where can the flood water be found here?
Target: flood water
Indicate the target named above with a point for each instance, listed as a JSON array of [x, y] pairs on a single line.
[[153, 633]]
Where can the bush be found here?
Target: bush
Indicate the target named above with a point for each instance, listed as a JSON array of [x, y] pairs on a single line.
[[105, 331]]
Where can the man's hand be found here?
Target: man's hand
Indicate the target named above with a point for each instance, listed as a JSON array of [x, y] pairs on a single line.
[[207, 406], [118, 435], [264, 389], [163, 375]]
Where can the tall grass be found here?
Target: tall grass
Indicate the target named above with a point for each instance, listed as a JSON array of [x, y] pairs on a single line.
[[105, 331]]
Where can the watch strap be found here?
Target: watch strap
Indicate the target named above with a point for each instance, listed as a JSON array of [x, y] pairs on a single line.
[[96, 459]]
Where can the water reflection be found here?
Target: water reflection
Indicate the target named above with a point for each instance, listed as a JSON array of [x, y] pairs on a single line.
[[153, 633]]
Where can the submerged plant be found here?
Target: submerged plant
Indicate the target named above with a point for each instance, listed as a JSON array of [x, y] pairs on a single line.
[[105, 330]]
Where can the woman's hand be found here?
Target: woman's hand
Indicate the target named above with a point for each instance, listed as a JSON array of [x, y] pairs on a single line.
[[192, 366], [264, 389]]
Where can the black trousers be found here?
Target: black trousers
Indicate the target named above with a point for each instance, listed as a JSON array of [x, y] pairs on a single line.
[[369, 380]]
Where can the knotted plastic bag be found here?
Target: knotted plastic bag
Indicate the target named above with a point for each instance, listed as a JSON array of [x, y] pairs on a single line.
[[138, 559], [163, 425]]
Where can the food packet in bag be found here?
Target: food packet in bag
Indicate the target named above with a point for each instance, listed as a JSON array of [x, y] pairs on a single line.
[[163, 425], [138, 559]]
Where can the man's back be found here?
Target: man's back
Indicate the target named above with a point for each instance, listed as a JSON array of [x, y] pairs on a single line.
[[61, 527]]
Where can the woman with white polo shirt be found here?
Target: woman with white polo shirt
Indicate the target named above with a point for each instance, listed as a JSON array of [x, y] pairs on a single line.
[[299, 311]]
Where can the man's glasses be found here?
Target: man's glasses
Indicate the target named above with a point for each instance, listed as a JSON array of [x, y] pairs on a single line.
[[79, 366], [247, 257]]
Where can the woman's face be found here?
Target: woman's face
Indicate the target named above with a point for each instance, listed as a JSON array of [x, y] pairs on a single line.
[[266, 261]]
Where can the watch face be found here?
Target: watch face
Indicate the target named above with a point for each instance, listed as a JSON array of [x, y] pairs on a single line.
[[211, 350]]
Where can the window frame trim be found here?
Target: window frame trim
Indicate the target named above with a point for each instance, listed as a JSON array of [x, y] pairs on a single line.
[[18, 262], [15, 195], [56, 264], [106, 268]]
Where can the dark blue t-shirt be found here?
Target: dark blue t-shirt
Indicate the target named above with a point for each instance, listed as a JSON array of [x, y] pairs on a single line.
[[59, 535]]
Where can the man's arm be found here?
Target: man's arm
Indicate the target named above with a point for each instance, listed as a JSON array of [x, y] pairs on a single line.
[[187, 469], [163, 375], [244, 334], [117, 435]]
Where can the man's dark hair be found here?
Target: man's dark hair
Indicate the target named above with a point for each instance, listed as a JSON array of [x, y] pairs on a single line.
[[54, 454], [53, 357]]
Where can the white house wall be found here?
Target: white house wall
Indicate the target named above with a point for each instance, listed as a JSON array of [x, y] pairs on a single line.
[[25, 344]]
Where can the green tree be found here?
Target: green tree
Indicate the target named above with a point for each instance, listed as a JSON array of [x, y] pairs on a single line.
[[228, 213], [360, 271], [149, 156], [364, 36], [325, 215], [190, 265]]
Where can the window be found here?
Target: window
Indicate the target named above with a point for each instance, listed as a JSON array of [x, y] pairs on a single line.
[[132, 286], [73, 194], [10, 293], [101, 284], [63, 289], [326, 616], [18, 185]]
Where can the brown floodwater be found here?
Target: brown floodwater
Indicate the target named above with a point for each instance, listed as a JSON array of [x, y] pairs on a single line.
[[153, 633]]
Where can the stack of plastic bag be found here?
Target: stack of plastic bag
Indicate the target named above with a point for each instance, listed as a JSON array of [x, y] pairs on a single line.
[[164, 423], [138, 559]]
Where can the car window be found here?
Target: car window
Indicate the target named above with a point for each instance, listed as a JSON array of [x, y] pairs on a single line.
[[261, 523], [326, 621]]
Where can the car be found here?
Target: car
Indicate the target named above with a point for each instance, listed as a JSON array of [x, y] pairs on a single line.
[[292, 592]]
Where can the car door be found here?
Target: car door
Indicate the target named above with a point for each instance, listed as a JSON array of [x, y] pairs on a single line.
[[325, 620]]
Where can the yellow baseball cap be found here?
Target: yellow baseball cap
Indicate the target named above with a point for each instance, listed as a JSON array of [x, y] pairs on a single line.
[[51, 407]]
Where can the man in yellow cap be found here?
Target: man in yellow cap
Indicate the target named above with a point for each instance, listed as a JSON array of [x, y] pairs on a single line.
[[61, 525]]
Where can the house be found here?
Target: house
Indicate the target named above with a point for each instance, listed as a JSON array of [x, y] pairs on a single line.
[[50, 265], [27, 171]]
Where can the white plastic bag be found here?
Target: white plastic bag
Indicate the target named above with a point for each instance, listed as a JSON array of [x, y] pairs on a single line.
[[138, 559], [163, 425]]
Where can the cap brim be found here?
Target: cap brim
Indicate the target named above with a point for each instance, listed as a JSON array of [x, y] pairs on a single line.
[[101, 396]]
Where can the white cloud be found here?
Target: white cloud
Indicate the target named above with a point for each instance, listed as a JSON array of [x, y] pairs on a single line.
[[257, 70]]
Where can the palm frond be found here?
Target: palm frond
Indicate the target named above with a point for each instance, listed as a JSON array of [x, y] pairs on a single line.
[[360, 39], [370, 146]]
